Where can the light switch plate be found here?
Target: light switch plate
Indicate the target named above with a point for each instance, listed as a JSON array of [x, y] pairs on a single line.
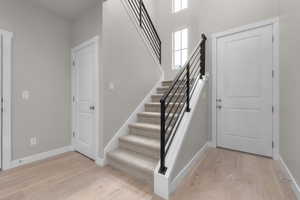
[[111, 86], [25, 95], [33, 141]]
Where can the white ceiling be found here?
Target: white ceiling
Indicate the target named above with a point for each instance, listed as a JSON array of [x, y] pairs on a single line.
[[69, 9]]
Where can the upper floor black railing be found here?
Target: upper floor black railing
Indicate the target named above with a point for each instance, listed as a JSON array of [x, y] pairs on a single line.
[[143, 18], [176, 101]]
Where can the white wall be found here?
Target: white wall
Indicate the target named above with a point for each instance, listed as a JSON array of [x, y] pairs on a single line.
[[127, 64], [41, 60], [197, 134], [208, 16], [289, 82], [87, 25], [124, 61], [151, 6], [168, 23]]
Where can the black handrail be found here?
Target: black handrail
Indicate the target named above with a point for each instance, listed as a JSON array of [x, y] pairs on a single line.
[[172, 109], [144, 20]]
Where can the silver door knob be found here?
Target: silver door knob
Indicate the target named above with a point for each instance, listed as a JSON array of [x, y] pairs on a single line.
[[219, 107], [92, 107], [219, 100]]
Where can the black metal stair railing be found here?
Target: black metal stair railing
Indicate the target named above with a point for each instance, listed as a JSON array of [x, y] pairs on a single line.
[[176, 101], [143, 18]]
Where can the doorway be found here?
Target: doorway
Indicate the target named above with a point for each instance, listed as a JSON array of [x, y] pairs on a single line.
[[243, 89], [85, 109]]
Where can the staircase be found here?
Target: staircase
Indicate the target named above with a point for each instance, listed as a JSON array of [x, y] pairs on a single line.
[[149, 139], [138, 152]]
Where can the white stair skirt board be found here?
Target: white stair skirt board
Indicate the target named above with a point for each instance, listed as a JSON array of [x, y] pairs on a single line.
[[163, 187], [114, 142], [100, 162], [40, 156], [292, 180]]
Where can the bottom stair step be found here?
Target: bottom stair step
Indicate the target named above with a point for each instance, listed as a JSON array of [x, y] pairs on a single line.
[[134, 164], [140, 144]]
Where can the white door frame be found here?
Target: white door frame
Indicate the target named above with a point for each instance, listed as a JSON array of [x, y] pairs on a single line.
[[95, 41], [7, 38], [275, 23]]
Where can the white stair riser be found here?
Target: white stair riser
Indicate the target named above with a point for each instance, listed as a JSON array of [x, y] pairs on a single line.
[[153, 153]]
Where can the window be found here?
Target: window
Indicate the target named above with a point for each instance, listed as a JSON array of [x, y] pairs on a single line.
[[179, 5], [180, 48]]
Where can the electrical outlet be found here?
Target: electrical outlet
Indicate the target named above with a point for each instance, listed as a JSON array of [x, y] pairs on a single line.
[[33, 141]]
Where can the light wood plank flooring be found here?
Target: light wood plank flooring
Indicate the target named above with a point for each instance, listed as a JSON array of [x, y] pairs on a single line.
[[230, 175], [223, 175]]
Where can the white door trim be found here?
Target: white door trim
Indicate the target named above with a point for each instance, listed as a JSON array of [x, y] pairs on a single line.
[[94, 40], [275, 23], [7, 87]]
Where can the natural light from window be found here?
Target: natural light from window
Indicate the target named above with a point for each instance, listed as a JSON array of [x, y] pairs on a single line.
[[180, 48], [179, 5]]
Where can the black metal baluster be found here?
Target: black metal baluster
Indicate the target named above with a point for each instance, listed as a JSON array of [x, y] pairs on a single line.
[[200, 64], [188, 109], [141, 2], [160, 53], [202, 56], [163, 168]]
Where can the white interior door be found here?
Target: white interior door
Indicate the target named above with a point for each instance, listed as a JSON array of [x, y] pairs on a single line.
[[244, 91], [84, 85]]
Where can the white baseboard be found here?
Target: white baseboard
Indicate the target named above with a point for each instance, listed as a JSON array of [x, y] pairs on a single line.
[[211, 144], [199, 156], [40, 156], [114, 142], [100, 162], [294, 184]]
